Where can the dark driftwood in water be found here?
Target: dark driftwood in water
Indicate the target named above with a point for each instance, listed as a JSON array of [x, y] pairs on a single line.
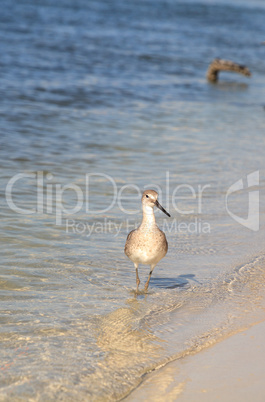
[[225, 65]]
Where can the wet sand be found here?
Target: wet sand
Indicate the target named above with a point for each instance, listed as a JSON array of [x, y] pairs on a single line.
[[231, 370]]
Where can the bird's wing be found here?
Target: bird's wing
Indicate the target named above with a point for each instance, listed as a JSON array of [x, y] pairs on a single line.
[[130, 234]]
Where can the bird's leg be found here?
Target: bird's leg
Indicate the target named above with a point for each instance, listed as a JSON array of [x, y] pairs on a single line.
[[149, 277], [137, 277]]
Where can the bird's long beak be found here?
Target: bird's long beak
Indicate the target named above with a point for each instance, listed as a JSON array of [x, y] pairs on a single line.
[[160, 207]]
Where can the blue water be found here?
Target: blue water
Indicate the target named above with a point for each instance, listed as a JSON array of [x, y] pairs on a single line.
[[101, 100]]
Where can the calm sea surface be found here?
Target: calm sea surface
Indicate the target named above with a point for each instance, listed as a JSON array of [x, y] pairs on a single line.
[[101, 100]]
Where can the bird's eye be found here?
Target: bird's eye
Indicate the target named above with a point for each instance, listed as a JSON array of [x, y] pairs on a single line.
[[147, 196]]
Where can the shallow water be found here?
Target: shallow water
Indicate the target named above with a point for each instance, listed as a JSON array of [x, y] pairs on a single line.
[[94, 97]]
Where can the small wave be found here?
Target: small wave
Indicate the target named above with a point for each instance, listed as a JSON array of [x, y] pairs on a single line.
[[166, 325]]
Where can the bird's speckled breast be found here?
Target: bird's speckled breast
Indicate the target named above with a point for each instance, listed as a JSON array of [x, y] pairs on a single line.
[[146, 246]]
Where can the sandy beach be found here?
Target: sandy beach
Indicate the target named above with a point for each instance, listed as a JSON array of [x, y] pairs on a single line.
[[231, 370]]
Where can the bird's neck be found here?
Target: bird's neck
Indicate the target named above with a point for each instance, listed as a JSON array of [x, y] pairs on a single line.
[[148, 217]]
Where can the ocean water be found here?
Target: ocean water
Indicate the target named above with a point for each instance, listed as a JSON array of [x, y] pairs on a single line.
[[101, 100]]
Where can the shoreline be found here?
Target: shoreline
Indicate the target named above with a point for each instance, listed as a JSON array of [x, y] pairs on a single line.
[[230, 370]]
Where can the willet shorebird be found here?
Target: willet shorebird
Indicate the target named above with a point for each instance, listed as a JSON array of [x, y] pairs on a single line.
[[147, 244]]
